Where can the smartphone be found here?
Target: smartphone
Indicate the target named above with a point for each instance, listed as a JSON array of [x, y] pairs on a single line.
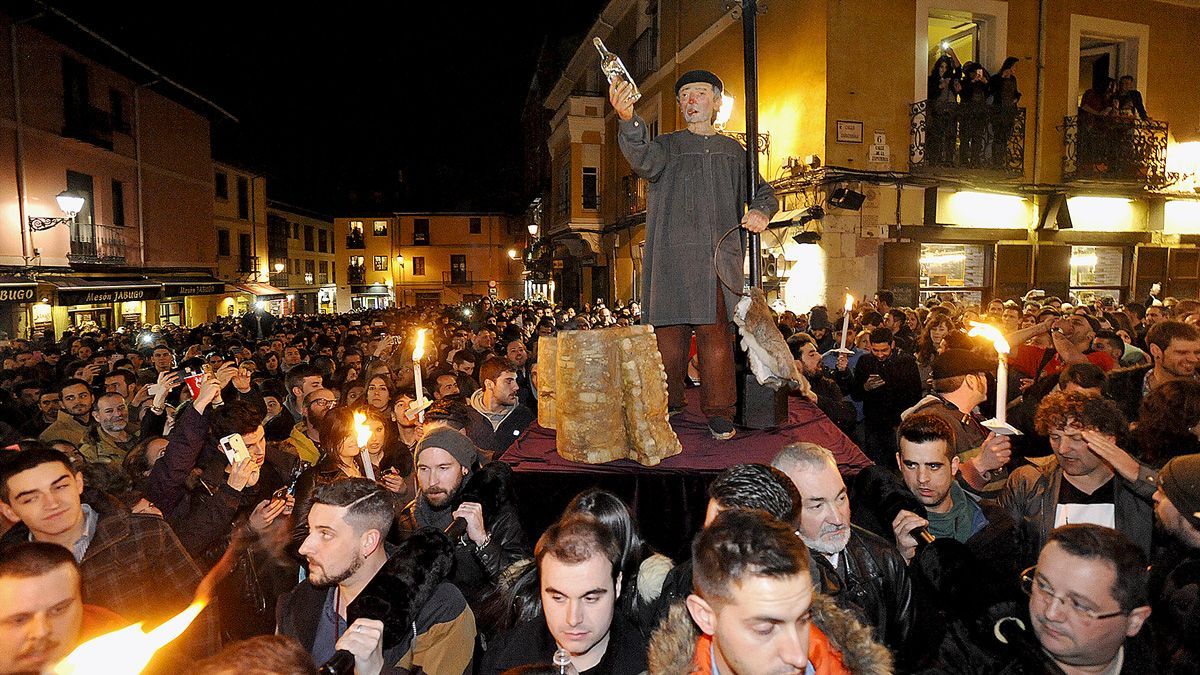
[[234, 447], [153, 389]]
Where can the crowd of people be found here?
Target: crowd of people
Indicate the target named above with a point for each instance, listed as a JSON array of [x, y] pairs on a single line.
[[345, 516]]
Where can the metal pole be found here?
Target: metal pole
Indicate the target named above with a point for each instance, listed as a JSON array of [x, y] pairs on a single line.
[[750, 51]]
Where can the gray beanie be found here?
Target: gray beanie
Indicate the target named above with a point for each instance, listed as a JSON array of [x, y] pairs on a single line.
[[459, 446]]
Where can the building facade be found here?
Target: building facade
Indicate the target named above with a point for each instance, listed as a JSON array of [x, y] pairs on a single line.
[[79, 116], [429, 258], [301, 253], [973, 198]]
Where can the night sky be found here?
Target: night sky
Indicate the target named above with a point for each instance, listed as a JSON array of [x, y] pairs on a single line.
[[337, 100]]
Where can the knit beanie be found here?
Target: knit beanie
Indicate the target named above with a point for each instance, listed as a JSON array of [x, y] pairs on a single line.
[[1180, 482], [459, 446]]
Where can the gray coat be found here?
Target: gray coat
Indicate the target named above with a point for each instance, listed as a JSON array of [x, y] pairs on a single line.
[[697, 192]]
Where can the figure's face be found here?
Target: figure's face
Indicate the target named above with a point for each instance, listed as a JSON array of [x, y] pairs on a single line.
[[927, 472], [377, 393], [40, 618], [1011, 318], [333, 550], [447, 385], [762, 628], [698, 102], [1072, 451], [1153, 315], [578, 601], [273, 405], [882, 350], [256, 443], [439, 476], [46, 498], [291, 355], [162, 359], [1065, 589], [938, 332], [825, 514], [50, 403], [77, 400], [516, 353]]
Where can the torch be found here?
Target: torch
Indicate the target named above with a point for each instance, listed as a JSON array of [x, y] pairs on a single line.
[[846, 324], [417, 355], [364, 437], [998, 424]]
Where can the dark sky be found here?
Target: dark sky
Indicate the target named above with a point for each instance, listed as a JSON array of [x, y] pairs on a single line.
[[338, 98]]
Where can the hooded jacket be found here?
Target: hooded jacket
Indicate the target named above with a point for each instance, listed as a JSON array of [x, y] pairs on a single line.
[[838, 643], [494, 432]]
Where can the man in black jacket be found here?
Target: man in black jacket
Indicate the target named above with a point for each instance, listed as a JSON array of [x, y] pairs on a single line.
[[887, 381], [450, 488], [1175, 573], [865, 574], [1174, 347], [830, 398], [497, 416]]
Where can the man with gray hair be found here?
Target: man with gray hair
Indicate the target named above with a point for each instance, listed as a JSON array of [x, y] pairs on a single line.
[[872, 580]]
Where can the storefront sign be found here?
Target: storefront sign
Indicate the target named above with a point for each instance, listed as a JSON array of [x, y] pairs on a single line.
[[17, 293], [194, 288], [104, 295]]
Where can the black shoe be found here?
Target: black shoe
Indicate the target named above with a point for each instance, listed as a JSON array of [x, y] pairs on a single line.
[[675, 410], [721, 428]]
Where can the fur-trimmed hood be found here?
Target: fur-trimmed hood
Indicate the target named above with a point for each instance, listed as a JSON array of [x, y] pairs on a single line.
[[673, 645]]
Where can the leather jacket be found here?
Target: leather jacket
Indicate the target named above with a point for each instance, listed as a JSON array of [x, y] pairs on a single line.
[[871, 581]]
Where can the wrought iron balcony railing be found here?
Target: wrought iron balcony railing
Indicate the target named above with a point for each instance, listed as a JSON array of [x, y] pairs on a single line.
[[966, 138], [453, 278], [644, 55], [247, 264], [635, 196], [1124, 149], [99, 244]]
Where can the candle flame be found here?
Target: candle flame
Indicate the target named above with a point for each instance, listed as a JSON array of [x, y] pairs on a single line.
[[126, 651], [990, 332], [360, 428], [849, 302], [419, 350]]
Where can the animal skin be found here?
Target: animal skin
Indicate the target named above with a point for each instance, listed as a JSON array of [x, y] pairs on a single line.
[[770, 359]]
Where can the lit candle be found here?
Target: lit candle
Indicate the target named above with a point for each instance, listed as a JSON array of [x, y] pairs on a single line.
[[992, 333], [364, 437], [846, 319], [417, 355]]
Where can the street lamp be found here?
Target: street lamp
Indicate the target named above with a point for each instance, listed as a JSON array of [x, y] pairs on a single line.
[[71, 204], [512, 254], [533, 228], [279, 268]]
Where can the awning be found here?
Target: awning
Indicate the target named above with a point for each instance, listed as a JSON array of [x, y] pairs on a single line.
[[73, 290], [262, 291], [17, 289], [373, 289], [196, 284]]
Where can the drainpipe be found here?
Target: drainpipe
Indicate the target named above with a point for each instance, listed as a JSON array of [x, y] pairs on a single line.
[[1041, 86], [20, 141], [137, 151]]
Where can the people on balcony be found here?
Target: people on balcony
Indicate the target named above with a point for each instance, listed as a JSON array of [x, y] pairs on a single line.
[[973, 115], [1130, 99], [942, 104], [1005, 97]]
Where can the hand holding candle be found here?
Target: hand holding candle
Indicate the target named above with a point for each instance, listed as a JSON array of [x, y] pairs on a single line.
[[417, 355], [1001, 344], [846, 320]]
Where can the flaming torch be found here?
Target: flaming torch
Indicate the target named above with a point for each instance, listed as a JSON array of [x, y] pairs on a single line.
[[846, 324], [417, 355], [364, 437], [997, 425]]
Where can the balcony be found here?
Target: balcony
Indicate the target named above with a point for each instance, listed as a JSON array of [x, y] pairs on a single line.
[[90, 125], [248, 264], [353, 240], [97, 244], [963, 140], [1115, 149], [356, 274], [280, 279], [644, 55], [457, 278], [634, 202]]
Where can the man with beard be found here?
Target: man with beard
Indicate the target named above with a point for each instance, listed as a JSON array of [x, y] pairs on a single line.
[[698, 189], [111, 438], [42, 615], [1090, 479], [301, 381], [74, 417], [490, 542], [306, 435], [928, 466], [1176, 569], [348, 524], [871, 578], [1174, 349], [830, 399], [49, 403], [497, 416]]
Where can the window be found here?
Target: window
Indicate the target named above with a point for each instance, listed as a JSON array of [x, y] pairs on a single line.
[[381, 263], [324, 267], [476, 225], [310, 266], [170, 312], [458, 269], [562, 198], [243, 198], [118, 203], [953, 271], [295, 230], [356, 261], [223, 242], [116, 105], [75, 94], [1097, 272], [380, 228], [221, 185], [81, 183], [591, 187], [245, 254], [418, 266], [322, 241], [420, 231], [308, 237]]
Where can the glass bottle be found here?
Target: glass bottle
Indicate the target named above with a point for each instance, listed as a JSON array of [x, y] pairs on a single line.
[[613, 69]]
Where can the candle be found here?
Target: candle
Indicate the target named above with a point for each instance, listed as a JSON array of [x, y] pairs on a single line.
[[364, 437], [846, 319], [992, 333], [418, 353]]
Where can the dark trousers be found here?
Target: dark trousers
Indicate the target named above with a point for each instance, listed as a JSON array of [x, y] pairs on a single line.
[[714, 349]]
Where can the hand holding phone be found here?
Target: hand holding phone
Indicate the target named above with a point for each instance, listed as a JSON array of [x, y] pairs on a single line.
[[234, 447]]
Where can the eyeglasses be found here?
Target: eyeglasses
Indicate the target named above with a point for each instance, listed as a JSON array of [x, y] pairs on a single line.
[[323, 402], [1039, 590]]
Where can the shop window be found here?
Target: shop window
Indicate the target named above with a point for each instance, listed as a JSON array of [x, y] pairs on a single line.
[[476, 225], [1096, 273], [170, 312], [381, 263], [955, 272], [380, 228], [418, 266]]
